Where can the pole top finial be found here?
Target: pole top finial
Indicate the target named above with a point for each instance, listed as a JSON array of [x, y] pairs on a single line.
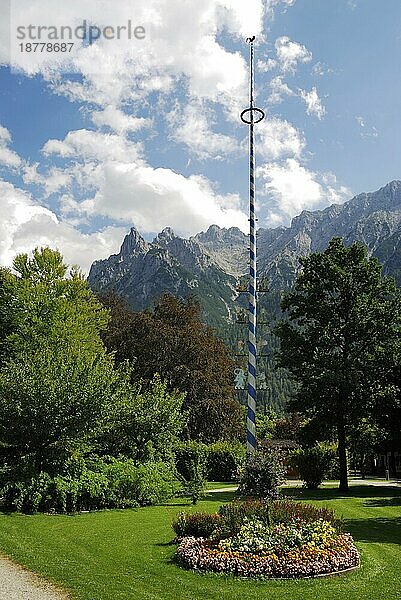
[[250, 40]]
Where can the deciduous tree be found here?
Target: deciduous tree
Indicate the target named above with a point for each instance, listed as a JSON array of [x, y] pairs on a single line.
[[342, 324], [171, 340]]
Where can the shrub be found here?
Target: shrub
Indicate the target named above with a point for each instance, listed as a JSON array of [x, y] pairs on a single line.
[[301, 540], [104, 482], [199, 524], [287, 511], [26, 496], [154, 483], [262, 475], [190, 456], [225, 523], [313, 463], [224, 461], [191, 466], [234, 514]]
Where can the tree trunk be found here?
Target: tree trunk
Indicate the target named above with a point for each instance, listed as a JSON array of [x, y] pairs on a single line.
[[363, 466], [392, 465], [342, 453]]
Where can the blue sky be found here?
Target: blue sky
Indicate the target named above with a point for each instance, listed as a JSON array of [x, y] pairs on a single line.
[[149, 134]]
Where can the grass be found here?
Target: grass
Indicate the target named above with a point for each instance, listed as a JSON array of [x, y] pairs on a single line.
[[215, 485], [125, 555]]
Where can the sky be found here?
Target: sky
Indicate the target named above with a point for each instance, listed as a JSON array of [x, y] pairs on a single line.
[[145, 131]]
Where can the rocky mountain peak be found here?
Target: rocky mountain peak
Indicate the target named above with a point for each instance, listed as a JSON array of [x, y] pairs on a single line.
[[221, 235], [165, 236], [133, 244], [386, 198]]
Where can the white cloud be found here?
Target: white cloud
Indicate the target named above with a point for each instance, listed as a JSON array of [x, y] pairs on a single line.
[[266, 65], [279, 89], [127, 189], [192, 126], [321, 68], [271, 5], [118, 121], [242, 18], [313, 103], [155, 198], [367, 132], [180, 42], [186, 60], [292, 188], [25, 224], [54, 180], [278, 139], [334, 192], [94, 145], [8, 157], [290, 53]]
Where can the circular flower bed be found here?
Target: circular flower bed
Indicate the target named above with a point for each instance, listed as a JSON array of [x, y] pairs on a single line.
[[251, 544]]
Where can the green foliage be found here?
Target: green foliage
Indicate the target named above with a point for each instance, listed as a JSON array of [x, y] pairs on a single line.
[[340, 337], [313, 464], [257, 538], [51, 399], [220, 461], [200, 524], [245, 539], [262, 475], [265, 425], [364, 438], [98, 482], [143, 422], [155, 483], [6, 314], [190, 460], [46, 266], [63, 402], [172, 341], [58, 378], [187, 455], [234, 514], [224, 461], [231, 517]]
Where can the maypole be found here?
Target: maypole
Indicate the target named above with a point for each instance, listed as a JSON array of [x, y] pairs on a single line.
[[251, 116]]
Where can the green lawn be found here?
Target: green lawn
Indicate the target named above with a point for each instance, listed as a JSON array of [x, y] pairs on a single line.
[[125, 555], [215, 485]]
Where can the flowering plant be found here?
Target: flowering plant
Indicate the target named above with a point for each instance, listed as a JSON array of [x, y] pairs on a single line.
[[335, 555], [199, 524], [255, 537], [295, 540]]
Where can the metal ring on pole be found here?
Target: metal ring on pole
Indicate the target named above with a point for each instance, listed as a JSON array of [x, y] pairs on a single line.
[[258, 111]]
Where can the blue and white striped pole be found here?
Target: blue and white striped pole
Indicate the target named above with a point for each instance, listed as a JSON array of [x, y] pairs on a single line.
[[251, 116]]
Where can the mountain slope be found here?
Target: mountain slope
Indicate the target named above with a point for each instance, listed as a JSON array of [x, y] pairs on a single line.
[[210, 264]]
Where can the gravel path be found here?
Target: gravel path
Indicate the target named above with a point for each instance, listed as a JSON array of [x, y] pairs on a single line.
[[18, 584]]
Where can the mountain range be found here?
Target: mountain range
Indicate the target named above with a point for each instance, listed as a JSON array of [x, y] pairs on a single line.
[[211, 264]]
